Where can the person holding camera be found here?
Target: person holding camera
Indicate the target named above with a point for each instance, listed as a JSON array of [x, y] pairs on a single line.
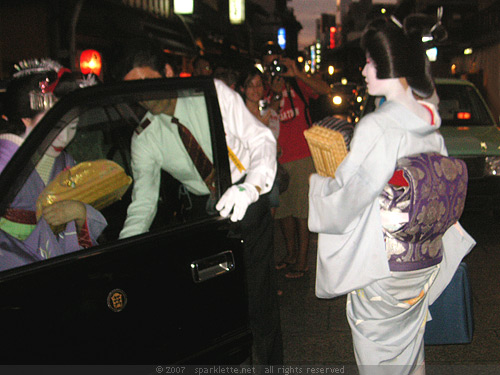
[[287, 84]]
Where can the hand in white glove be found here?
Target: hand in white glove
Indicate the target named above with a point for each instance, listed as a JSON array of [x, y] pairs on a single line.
[[237, 199]]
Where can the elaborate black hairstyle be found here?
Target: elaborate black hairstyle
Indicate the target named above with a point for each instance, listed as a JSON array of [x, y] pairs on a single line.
[[34, 87], [399, 53]]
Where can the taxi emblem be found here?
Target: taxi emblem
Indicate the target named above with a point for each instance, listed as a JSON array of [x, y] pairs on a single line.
[[117, 300]]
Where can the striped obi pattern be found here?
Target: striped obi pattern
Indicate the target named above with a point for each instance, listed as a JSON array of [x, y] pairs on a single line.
[[338, 124], [423, 199]]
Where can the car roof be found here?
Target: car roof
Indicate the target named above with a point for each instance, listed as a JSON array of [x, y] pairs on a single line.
[[453, 81]]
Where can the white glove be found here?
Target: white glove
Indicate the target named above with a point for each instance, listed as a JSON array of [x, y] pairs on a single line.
[[237, 199]]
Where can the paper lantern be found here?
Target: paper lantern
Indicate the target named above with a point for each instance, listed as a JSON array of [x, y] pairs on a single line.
[[90, 62]]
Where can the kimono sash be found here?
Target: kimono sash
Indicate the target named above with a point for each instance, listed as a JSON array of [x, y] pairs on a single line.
[[420, 208]]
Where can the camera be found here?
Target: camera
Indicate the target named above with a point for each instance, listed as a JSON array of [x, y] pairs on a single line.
[[263, 106], [276, 68]]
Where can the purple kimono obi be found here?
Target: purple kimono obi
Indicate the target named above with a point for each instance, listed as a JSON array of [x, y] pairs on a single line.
[[419, 208]]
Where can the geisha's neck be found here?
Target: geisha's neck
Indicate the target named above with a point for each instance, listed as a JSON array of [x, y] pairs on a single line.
[[403, 94], [44, 167]]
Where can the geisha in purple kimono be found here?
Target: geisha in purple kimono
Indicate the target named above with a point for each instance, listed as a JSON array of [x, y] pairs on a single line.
[[23, 239]]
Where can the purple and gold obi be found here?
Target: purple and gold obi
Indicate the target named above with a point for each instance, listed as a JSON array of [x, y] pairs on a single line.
[[425, 196]]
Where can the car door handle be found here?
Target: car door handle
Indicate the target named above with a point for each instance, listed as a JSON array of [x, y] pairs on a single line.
[[213, 266]]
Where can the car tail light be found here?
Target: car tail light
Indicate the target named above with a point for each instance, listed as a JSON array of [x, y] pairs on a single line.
[[463, 115]]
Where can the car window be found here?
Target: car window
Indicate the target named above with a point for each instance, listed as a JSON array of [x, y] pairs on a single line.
[[460, 105], [117, 145]]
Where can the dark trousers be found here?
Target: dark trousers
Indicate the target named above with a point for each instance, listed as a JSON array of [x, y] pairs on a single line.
[[258, 236]]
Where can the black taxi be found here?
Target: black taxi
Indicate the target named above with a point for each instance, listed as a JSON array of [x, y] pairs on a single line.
[[175, 294]]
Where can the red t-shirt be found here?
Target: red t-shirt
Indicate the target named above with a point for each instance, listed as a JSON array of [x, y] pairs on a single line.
[[291, 138]]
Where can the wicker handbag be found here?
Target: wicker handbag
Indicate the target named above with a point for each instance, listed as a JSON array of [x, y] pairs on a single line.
[[98, 183], [328, 149]]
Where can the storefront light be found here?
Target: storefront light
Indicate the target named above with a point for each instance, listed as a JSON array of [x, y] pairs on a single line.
[[183, 6], [237, 11]]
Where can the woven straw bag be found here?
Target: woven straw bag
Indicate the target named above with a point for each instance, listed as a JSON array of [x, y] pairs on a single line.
[[328, 149], [98, 183]]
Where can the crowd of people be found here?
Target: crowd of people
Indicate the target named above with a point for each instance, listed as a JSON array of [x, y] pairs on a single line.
[[265, 113]]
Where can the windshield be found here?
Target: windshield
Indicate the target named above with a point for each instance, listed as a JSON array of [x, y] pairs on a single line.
[[461, 105]]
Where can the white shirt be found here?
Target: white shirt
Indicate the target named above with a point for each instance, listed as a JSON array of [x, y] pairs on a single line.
[[159, 147]]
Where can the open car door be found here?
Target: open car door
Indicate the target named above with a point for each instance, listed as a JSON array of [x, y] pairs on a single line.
[[174, 294]]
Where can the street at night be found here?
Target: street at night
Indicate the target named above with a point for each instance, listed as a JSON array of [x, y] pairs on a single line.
[[162, 161], [316, 331]]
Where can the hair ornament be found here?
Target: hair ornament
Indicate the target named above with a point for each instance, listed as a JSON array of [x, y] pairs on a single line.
[[87, 81], [33, 66], [439, 17], [438, 31], [396, 21], [42, 97]]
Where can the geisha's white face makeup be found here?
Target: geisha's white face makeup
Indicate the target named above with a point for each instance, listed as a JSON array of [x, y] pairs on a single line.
[[63, 139], [377, 86], [370, 74]]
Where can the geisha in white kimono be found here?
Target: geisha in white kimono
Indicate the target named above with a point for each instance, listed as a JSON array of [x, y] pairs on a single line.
[[390, 282]]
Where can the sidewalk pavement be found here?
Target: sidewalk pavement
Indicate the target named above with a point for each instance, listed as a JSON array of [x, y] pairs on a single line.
[[316, 332]]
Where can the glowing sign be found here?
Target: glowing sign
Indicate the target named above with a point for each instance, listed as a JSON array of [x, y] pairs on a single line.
[[313, 58], [236, 11], [333, 30], [282, 38]]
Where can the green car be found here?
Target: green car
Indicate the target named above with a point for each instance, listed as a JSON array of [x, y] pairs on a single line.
[[471, 134]]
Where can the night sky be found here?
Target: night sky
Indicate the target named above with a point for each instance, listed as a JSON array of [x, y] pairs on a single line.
[[306, 12]]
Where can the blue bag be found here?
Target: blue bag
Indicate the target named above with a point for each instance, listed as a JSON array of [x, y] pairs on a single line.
[[452, 316]]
